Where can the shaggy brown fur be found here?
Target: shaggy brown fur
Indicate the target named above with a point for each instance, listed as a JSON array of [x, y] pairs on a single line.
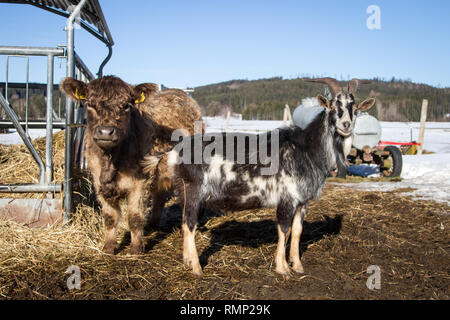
[[125, 124]]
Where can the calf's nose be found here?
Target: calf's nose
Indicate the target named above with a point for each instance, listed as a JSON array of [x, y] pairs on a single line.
[[106, 132], [346, 124]]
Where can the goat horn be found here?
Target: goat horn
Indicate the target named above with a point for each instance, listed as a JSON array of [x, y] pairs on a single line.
[[333, 85], [354, 84]]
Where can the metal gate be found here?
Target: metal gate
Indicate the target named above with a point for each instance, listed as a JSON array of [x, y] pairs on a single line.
[[38, 212]]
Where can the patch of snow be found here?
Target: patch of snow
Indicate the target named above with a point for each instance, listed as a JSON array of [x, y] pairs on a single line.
[[13, 137], [218, 124]]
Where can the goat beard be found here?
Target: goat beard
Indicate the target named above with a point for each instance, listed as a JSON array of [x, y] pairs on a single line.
[[339, 150]]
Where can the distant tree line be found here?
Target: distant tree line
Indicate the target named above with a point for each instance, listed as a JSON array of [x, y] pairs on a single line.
[[264, 99], [397, 100]]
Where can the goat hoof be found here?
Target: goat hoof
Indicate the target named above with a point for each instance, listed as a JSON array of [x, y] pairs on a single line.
[[197, 272], [298, 268], [196, 268], [286, 273]]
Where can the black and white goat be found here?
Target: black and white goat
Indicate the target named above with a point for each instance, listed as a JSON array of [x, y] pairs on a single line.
[[305, 158]]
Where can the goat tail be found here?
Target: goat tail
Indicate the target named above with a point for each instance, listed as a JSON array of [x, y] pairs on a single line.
[[150, 164], [157, 169]]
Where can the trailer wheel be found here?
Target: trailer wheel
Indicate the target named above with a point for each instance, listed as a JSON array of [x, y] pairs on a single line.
[[393, 163]]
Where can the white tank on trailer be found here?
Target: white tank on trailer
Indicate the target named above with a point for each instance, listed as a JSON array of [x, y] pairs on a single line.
[[305, 113], [367, 131]]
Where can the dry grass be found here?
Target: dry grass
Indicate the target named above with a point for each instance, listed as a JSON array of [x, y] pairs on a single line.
[[345, 232], [357, 179], [401, 235]]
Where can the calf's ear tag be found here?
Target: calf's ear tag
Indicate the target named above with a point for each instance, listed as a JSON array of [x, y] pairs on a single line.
[[141, 99], [79, 96]]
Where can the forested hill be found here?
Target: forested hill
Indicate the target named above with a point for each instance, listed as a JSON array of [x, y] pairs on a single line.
[[265, 99]]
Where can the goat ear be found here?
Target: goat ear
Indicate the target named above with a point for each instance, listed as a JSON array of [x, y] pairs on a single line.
[[324, 102], [74, 89], [144, 90], [366, 104]]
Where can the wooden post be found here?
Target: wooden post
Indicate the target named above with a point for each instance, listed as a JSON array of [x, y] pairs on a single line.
[[423, 120], [228, 120], [289, 116], [285, 117]]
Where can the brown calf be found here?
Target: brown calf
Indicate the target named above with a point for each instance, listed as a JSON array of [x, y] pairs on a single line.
[[125, 124]]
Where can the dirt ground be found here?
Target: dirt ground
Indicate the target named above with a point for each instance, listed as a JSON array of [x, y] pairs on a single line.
[[345, 232]]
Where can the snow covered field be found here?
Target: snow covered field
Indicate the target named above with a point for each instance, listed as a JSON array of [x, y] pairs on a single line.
[[428, 174], [437, 134]]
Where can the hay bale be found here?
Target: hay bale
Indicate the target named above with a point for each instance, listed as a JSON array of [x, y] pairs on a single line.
[[18, 166]]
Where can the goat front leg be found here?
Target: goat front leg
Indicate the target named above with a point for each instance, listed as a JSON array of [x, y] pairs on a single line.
[[111, 213], [190, 254], [284, 216], [281, 265], [137, 201], [297, 228]]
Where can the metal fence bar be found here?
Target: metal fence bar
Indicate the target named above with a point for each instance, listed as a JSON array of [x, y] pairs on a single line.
[[31, 51], [27, 94], [70, 114], [59, 107], [26, 85], [6, 79], [83, 69], [55, 116], [30, 188], [49, 133], [32, 124]]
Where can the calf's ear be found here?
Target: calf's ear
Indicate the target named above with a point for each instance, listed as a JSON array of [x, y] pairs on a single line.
[[366, 104], [324, 102], [144, 90], [74, 89]]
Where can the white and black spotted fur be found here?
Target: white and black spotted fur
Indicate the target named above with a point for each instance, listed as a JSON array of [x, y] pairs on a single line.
[[305, 160]]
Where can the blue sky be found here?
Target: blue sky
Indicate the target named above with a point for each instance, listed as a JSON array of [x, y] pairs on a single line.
[[193, 43]]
